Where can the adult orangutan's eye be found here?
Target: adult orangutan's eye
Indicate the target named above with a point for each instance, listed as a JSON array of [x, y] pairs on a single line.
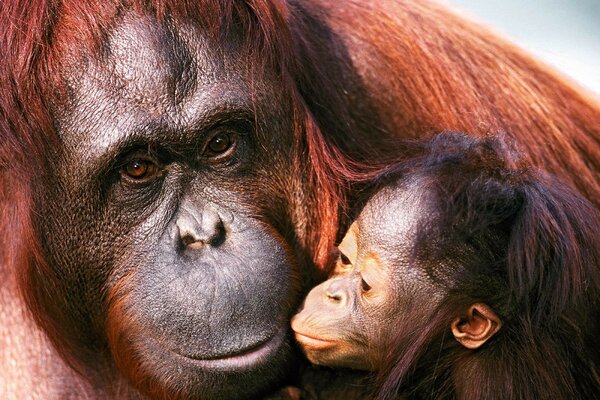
[[220, 144], [140, 170]]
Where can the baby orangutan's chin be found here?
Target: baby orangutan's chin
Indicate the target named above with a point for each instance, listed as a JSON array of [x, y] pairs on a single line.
[[333, 353]]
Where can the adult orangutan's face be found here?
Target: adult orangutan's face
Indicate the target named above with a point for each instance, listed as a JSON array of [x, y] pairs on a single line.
[[163, 215]]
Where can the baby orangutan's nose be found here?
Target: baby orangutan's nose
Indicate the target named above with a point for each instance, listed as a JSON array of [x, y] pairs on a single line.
[[336, 292]]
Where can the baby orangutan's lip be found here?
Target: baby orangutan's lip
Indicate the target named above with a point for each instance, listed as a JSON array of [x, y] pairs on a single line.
[[314, 343]]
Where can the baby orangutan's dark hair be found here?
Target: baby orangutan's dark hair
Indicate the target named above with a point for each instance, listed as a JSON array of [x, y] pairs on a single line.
[[518, 240]]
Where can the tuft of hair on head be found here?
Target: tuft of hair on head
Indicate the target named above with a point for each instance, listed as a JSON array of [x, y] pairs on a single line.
[[532, 254], [544, 232]]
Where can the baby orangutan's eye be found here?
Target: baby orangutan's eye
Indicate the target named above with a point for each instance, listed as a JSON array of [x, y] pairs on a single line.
[[364, 286], [345, 260]]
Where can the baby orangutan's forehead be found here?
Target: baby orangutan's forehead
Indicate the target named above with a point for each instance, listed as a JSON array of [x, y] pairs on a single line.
[[392, 216]]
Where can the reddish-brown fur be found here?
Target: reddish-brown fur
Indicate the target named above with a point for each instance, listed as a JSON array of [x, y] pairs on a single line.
[[361, 75], [535, 261]]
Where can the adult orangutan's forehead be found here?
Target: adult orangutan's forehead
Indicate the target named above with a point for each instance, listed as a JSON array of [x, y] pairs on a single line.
[[163, 77], [169, 57], [151, 63], [159, 68]]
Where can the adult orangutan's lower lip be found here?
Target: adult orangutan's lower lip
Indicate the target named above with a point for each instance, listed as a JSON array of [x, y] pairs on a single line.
[[314, 343], [244, 359]]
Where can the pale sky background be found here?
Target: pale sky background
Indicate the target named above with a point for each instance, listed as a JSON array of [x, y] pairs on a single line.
[[563, 33]]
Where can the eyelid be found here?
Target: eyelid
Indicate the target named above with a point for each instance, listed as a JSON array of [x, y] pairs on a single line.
[[208, 155], [143, 151], [344, 259], [364, 285], [139, 155]]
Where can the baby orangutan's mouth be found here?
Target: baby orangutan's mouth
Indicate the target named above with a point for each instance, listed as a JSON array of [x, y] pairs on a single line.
[[313, 342]]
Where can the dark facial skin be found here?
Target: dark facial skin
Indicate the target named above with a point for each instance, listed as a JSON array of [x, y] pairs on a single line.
[[375, 292], [157, 216]]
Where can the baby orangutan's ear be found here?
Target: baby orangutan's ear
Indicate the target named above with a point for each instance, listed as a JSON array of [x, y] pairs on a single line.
[[479, 325]]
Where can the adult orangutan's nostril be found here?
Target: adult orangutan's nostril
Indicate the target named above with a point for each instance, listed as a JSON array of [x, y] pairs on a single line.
[[218, 237], [205, 229]]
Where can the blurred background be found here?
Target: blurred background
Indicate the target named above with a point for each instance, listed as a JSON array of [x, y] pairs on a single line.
[[563, 33]]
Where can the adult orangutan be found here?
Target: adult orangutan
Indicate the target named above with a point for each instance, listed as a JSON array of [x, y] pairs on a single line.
[[173, 172]]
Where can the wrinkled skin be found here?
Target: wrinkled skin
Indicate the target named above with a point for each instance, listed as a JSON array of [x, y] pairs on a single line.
[[158, 215], [349, 320]]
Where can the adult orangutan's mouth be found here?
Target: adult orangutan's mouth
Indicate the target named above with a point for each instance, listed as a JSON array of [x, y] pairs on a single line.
[[252, 356]]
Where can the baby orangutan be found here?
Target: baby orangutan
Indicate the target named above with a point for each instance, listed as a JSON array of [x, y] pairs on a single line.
[[466, 275]]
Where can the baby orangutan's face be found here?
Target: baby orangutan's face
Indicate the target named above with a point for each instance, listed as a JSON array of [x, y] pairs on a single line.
[[348, 320], [380, 293], [334, 326]]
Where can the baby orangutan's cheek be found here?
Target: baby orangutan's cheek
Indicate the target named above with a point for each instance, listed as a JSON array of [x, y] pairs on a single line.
[[341, 354], [329, 346]]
